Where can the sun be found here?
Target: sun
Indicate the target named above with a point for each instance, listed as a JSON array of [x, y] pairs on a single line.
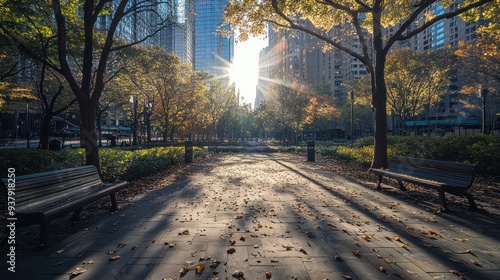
[[245, 67]]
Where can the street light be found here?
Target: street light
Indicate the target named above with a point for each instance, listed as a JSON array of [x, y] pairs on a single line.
[[147, 116], [133, 100], [484, 94], [27, 122], [352, 118]]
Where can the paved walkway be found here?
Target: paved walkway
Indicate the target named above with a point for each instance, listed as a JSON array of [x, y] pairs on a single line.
[[270, 216]]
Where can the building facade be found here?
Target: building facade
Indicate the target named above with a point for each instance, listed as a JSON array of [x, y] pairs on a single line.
[[213, 52]]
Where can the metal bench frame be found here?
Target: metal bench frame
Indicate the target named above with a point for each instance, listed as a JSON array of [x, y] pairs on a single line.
[[43, 197], [451, 177]]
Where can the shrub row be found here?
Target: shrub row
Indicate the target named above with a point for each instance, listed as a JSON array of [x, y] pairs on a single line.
[[483, 150], [116, 164]]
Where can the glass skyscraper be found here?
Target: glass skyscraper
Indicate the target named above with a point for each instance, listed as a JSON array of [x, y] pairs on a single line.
[[213, 51]]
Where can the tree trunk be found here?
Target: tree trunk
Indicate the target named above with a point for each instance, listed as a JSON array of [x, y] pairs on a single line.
[[45, 132], [165, 132], [379, 90], [88, 135], [172, 133], [99, 127]]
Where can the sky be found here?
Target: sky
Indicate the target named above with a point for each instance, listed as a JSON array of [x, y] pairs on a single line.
[[246, 66]]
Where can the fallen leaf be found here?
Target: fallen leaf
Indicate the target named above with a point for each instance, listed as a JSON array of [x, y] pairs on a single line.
[[302, 250], [237, 273], [199, 268], [458, 273], [475, 263], [114, 258], [469, 252], [183, 271], [231, 250], [214, 264], [78, 271]]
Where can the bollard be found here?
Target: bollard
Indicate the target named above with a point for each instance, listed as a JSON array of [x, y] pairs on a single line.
[[311, 152], [55, 145], [188, 154]]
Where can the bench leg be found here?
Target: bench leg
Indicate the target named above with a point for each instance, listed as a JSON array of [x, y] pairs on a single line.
[[76, 214], [379, 182], [401, 185], [114, 206], [472, 203], [45, 234], [442, 201]]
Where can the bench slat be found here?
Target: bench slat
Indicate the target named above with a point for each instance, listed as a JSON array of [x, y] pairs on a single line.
[[79, 190]]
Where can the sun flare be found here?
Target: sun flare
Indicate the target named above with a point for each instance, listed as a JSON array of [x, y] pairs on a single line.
[[245, 68]]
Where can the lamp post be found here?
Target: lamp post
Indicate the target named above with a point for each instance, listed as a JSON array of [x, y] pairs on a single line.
[[352, 118], [64, 129], [147, 116], [484, 94], [133, 100], [27, 122]]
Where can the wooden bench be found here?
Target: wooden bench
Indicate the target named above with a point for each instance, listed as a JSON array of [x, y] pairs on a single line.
[[450, 177], [43, 197]]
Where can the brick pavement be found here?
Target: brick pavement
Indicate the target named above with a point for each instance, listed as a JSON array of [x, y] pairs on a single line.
[[270, 216]]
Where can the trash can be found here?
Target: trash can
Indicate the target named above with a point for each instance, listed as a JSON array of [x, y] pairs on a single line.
[[311, 151], [188, 152], [55, 145]]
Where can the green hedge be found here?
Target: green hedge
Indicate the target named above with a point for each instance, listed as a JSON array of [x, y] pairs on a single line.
[[483, 150], [116, 164]]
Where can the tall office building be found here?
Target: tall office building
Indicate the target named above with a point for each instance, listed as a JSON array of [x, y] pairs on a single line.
[[182, 43], [213, 52], [145, 21]]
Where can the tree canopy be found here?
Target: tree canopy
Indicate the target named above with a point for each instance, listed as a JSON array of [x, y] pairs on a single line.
[[337, 23]]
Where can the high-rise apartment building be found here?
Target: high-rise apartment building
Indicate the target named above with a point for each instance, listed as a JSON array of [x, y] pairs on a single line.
[[213, 52], [443, 34], [298, 57], [263, 76]]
